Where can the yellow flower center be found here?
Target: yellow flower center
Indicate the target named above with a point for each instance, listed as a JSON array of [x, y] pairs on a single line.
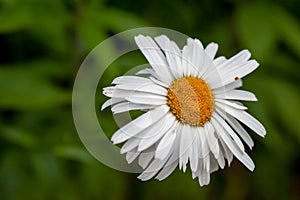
[[190, 99]]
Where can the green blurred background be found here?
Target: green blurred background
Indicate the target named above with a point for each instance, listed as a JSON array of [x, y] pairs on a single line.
[[42, 45]]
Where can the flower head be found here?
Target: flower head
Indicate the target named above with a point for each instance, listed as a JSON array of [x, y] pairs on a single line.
[[192, 114]]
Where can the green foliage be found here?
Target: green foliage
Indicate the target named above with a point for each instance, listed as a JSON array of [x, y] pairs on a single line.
[[42, 45]]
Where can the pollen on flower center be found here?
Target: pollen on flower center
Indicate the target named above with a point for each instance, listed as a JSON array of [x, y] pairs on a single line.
[[190, 99]]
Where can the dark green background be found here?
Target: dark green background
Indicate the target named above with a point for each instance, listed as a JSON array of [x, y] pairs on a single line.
[[42, 44]]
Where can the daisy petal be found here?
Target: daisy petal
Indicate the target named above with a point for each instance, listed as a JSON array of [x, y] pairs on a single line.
[[185, 146], [241, 57], [211, 49], [127, 106], [173, 55], [219, 60], [110, 102], [152, 169], [165, 145], [212, 141], [240, 130], [226, 152], [129, 145], [203, 146], [194, 151], [166, 171], [132, 155], [146, 157], [225, 103], [154, 56], [130, 79], [146, 98], [204, 178], [139, 124], [172, 162], [247, 119], [147, 71], [143, 87], [152, 134], [233, 85], [213, 164], [237, 95], [221, 160], [230, 132], [239, 71], [242, 156]]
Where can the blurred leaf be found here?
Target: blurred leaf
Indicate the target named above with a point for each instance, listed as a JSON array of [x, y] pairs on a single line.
[[26, 89], [286, 98], [262, 25], [118, 20], [16, 17], [257, 28], [17, 136], [288, 29], [74, 153]]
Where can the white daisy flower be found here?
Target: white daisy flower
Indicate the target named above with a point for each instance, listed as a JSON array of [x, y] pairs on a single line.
[[192, 113]]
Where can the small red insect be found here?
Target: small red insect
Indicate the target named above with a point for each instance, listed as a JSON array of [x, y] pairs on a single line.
[[236, 78]]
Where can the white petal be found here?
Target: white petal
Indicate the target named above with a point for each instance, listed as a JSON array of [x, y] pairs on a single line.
[[148, 71], [162, 41], [193, 57], [186, 143], [197, 65], [143, 87], [220, 159], [132, 155], [155, 57], [227, 153], [239, 71], [237, 95], [219, 60], [130, 79], [213, 164], [211, 49], [240, 57], [172, 162], [231, 74], [139, 124], [203, 146], [206, 163], [186, 52], [240, 130], [194, 151], [127, 106], [222, 103], [173, 55], [166, 171], [229, 131], [146, 157], [152, 134], [129, 145], [146, 98], [247, 119], [199, 169], [110, 102], [212, 141], [233, 85], [204, 178], [152, 169], [185, 146], [242, 156], [156, 81], [138, 97], [165, 145]]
